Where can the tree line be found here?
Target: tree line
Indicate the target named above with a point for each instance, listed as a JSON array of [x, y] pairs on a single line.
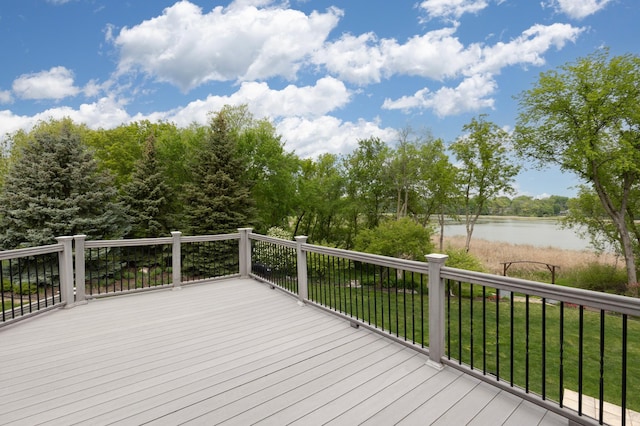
[[145, 179]]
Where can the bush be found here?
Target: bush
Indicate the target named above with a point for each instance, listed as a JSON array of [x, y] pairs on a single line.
[[6, 285], [599, 277], [461, 259], [403, 238], [25, 289]]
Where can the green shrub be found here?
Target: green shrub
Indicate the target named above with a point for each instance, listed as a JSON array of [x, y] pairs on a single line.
[[599, 277], [6, 285], [25, 289], [461, 259]]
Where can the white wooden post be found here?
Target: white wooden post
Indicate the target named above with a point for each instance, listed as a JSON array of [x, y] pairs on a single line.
[[245, 252], [176, 260], [81, 296], [303, 289], [65, 270], [436, 309]]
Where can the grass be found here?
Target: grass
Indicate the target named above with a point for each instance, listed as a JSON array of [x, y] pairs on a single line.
[[490, 343]]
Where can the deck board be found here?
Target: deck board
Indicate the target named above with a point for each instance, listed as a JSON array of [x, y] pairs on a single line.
[[230, 352]]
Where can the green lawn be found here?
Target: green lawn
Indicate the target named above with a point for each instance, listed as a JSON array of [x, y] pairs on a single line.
[[406, 314]]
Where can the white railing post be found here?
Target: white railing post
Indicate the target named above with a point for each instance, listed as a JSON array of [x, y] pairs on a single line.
[[245, 252], [436, 309], [81, 296], [303, 289], [65, 270], [176, 260]]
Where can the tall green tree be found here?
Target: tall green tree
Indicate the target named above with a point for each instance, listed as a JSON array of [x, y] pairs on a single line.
[[54, 188], [217, 200], [438, 189], [147, 196], [271, 172], [368, 185], [403, 171], [584, 118], [320, 207], [486, 169]]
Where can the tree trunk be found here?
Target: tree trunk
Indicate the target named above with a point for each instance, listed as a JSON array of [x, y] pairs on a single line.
[[441, 220], [629, 256]]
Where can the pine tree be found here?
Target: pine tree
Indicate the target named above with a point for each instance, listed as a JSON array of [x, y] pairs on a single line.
[[146, 196], [217, 200], [53, 188]]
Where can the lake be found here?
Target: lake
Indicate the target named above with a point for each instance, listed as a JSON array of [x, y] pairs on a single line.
[[536, 232]]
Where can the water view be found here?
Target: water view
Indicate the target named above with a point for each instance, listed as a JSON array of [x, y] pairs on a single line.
[[536, 232]]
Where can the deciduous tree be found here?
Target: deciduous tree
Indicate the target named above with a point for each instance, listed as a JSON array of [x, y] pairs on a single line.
[[584, 118], [485, 168]]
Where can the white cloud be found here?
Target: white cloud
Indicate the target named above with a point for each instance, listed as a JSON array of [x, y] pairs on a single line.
[[57, 83], [472, 94], [528, 48], [478, 64], [310, 138], [358, 59], [5, 97], [364, 60], [187, 48], [438, 54], [104, 113], [578, 9], [328, 94], [452, 8]]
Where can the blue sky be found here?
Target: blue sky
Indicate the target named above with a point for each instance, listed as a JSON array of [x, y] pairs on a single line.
[[327, 73]]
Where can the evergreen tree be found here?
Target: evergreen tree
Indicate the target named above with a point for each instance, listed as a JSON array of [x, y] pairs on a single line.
[[53, 188], [146, 196], [217, 200]]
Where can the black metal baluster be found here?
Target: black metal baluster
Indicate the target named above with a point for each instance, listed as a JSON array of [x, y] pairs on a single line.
[[422, 327], [484, 330], [2, 297], [544, 348], [561, 372], [448, 319], [580, 356], [389, 298], [624, 369], [601, 384], [526, 363], [28, 267], [413, 319], [498, 335], [511, 337], [13, 302], [471, 325], [459, 322], [358, 271], [20, 285], [396, 303], [375, 296]]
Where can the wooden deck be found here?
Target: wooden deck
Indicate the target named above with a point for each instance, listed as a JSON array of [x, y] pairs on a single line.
[[230, 352]]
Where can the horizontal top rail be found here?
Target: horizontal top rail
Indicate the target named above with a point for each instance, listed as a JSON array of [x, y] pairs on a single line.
[[286, 243], [205, 238], [391, 262], [127, 243], [31, 251], [577, 296]]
